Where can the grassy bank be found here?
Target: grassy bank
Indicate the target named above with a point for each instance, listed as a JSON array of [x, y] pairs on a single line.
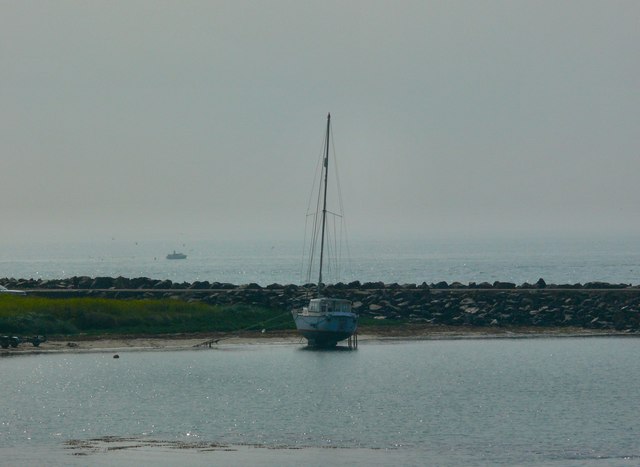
[[99, 316]]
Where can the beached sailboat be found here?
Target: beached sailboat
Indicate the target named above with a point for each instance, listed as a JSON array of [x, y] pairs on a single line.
[[325, 321]]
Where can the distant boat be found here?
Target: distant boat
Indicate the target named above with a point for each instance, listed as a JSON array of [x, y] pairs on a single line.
[[175, 255], [325, 321]]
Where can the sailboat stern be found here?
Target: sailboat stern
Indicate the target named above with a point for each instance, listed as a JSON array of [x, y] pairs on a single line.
[[326, 321]]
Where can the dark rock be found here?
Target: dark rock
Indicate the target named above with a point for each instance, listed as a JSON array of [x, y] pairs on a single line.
[[598, 285], [81, 282], [141, 283], [51, 284], [122, 283], [102, 283]]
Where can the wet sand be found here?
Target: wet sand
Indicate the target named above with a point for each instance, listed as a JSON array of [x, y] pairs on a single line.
[[121, 451], [366, 335]]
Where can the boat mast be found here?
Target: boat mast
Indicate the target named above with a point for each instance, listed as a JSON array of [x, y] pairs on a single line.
[[324, 204]]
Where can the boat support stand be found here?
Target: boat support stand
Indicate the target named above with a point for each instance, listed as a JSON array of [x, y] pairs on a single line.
[[352, 342]]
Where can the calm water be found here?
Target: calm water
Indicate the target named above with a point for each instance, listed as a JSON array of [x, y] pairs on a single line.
[[457, 402], [517, 260]]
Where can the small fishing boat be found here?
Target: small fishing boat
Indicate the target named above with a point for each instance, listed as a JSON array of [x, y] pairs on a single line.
[[325, 321], [175, 255]]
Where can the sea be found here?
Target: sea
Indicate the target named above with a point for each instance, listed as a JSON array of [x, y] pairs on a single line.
[[562, 260], [446, 402], [475, 402]]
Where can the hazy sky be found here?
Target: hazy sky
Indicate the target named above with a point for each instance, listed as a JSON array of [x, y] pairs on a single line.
[[204, 119]]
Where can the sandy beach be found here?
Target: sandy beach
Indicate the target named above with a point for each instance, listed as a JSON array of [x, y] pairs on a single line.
[[174, 342]]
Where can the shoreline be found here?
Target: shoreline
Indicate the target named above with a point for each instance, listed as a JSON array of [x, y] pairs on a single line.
[[369, 334]]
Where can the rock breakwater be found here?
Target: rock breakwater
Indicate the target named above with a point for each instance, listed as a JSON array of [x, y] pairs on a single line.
[[593, 305]]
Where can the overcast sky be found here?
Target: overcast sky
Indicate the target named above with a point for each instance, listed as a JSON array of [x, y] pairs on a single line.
[[136, 119]]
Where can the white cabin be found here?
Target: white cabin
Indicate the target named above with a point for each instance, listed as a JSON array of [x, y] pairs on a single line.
[[329, 305]]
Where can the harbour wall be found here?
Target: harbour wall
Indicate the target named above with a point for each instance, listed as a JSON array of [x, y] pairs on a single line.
[[594, 305]]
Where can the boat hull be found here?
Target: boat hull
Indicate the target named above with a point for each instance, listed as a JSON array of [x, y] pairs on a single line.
[[325, 329]]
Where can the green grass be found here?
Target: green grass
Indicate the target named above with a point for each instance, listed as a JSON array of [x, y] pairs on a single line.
[[93, 316]]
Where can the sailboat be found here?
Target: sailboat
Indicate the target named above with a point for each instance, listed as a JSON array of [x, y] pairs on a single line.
[[325, 321]]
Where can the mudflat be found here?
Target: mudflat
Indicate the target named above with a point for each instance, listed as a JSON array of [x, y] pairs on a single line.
[[368, 334]]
